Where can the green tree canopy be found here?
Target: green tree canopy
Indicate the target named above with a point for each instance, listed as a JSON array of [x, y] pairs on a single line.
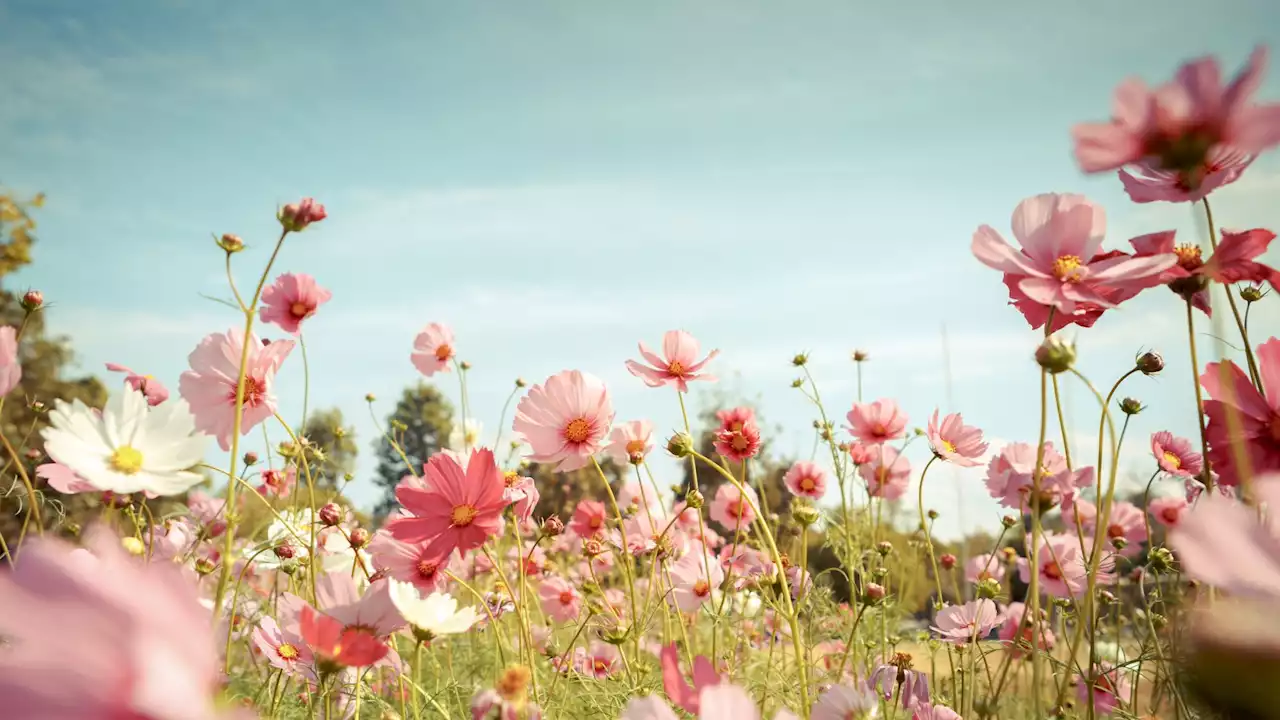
[[333, 443], [420, 425]]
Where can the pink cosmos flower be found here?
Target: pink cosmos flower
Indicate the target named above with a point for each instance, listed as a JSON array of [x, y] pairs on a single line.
[[731, 509], [630, 442], [520, 491], [588, 518], [888, 474], [1233, 261], [678, 365], [842, 702], [681, 693], [860, 453], [982, 567], [925, 711], [10, 368], [1056, 267], [1168, 511], [565, 420], [643, 496], [64, 479], [144, 645], [1127, 521], [1107, 688], [878, 422], [279, 482], [151, 388], [209, 387], [961, 624], [806, 479], [1222, 542], [295, 217], [560, 600], [1175, 455], [601, 660], [281, 649], [1258, 417], [1011, 475], [717, 702], [433, 349], [738, 437], [1177, 126], [691, 586], [1062, 566], [954, 441], [458, 510], [1018, 632], [1146, 182], [417, 564], [291, 299]]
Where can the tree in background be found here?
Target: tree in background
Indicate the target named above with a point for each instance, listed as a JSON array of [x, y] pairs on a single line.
[[420, 425], [332, 444]]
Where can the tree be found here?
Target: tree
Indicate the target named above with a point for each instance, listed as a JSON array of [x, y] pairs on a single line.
[[333, 444], [420, 425]]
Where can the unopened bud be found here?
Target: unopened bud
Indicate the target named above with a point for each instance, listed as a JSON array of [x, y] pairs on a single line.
[[680, 445], [884, 548], [464, 365], [1106, 598], [348, 477], [932, 514], [359, 537], [1008, 521], [695, 499], [32, 300], [797, 383], [873, 594], [370, 397], [520, 382], [1130, 406], [860, 355], [1161, 560], [800, 360], [295, 217], [1251, 293], [38, 407], [289, 567], [251, 458], [1056, 355], [592, 547], [284, 551], [204, 566], [804, 514], [1149, 363], [947, 561], [230, 243], [1119, 543], [330, 514], [552, 526], [988, 588]]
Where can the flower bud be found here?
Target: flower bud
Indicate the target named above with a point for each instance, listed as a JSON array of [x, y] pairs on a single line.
[[133, 545], [932, 514], [1106, 598], [1119, 543], [1149, 363], [860, 355], [1161, 560], [1008, 521], [520, 382], [348, 477], [797, 383], [358, 538], [948, 561], [592, 547], [330, 514], [694, 499], [38, 406], [1056, 355], [204, 566], [1251, 293], [884, 547], [289, 567], [464, 365], [680, 445], [1130, 406], [230, 243], [800, 360], [370, 397], [295, 217], [873, 594], [251, 458], [284, 551], [552, 526], [988, 588], [804, 514], [32, 300]]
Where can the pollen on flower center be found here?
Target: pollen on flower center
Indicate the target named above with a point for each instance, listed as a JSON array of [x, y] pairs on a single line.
[[426, 569], [948, 446], [126, 460], [676, 368], [287, 651], [463, 515], [1189, 256], [299, 310], [807, 483], [1052, 570], [635, 448], [510, 477], [578, 430], [701, 588], [1069, 268], [1173, 460], [566, 598], [444, 352]]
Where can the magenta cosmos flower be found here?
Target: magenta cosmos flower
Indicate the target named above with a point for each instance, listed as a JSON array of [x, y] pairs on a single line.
[[290, 300], [878, 422], [10, 368], [738, 437], [955, 442], [961, 624], [1233, 261], [1175, 455], [433, 349], [678, 365], [888, 473], [209, 387], [731, 509], [151, 388], [1058, 265], [1180, 129], [630, 442], [1257, 416], [566, 419], [457, 510], [144, 645], [1222, 542], [806, 479], [414, 563]]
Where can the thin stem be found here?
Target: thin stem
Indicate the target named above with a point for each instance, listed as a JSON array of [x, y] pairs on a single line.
[[1195, 381], [306, 381], [1254, 374]]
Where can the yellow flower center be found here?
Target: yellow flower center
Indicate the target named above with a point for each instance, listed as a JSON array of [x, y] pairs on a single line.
[[676, 368], [287, 652], [1068, 268], [463, 515], [1189, 256], [948, 446], [1173, 460], [126, 460], [577, 431], [510, 477]]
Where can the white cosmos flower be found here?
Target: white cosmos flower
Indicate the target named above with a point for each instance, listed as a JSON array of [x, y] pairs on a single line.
[[436, 614], [466, 437], [130, 447]]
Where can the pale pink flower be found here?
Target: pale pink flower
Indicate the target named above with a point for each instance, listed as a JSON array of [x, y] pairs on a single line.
[[643, 496], [877, 422], [433, 349], [630, 442], [64, 479], [1177, 126], [1057, 265], [520, 492], [1175, 455], [973, 620], [417, 564], [647, 707], [560, 600], [144, 645], [588, 518], [151, 388], [210, 386], [731, 509], [1146, 182], [1257, 416], [678, 365], [284, 650], [291, 299], [1062, 566], [1011, 477], [806, 479], [844, 702], [954, 441], [458, 510], [691, 587], [861, 453], [565, 420], [982, 567], [684, 695], [601, 660], [1127, 521], [1018, 630], [888, 473], [1168, 511], [1222, 542], [10, 368], [279, 482]]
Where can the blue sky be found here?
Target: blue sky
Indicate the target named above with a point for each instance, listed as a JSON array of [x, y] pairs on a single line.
[[557, 180]]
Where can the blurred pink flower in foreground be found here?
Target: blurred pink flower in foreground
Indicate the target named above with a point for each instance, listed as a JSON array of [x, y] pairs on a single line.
[[1222, 542], [1168, 511], [144, 645], [1256, 417], [151, 388], [1146, 182], [433, 349], [964, 623], [1058, 264], [925, 711], [1176, 128], [209, 387], [1175, 455], [291, 299], [877, 422], [716, 702], [681, 693], [954, 441], [565, 420], [457, 510], [842, 702], [1107, 688], [806, 479], [64, 479], [678, 365], [10, 369]]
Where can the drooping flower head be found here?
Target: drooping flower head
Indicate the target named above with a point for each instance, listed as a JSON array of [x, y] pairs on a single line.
[[153, 389], [566, 419], [210, 385], [457, 510], [678, 365], [806, 479], [877, 422], [290, 300], [954, 441], [433, 349], [295, 217]]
